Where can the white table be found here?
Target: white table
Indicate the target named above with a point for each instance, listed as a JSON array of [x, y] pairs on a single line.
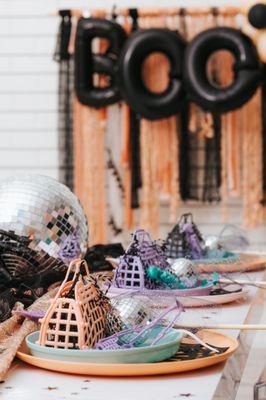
[[218, 382]]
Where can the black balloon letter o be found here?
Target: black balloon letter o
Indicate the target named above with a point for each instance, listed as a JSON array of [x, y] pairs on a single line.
[[257, 16], [247, 72], [87, 63], [141, 44]]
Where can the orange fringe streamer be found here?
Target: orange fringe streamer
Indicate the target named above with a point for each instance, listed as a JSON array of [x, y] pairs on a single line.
[[252, 162], [89, 167], [125, 162], [159, 146], [242, 144], [150, 188], [231, 130], [89, 159]]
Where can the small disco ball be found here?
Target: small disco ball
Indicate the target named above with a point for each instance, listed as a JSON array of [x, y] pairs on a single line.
[[213, 247], [185, 271], [212, 243], [47, 212], [128, 312]]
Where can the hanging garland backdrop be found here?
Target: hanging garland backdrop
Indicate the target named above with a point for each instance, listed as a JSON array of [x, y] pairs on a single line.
[[195, 154]]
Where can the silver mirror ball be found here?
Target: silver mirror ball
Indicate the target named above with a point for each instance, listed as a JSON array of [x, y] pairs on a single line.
[[45, 210], [127, 312], [186, 272], [212, 243]]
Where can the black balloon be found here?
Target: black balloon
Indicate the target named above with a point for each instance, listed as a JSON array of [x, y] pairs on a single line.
[[257, 16], [87, 63], [138, 47], [247, 70], [124, 68]]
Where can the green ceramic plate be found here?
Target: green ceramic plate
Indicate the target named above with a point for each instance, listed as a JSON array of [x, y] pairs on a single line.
[[143, 353]]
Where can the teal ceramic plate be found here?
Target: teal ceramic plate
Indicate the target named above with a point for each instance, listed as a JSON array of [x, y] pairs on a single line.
[[164, 349]]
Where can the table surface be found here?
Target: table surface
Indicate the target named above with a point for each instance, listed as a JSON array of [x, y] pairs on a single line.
[[25, 382]]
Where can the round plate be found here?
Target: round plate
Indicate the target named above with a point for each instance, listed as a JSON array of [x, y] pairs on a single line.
[[216, 299], [165, 300], [165, 348], [166, 367], [245, 262], [180, 293]]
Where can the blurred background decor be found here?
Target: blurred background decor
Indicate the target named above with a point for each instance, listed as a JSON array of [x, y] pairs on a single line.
[[126, 169]]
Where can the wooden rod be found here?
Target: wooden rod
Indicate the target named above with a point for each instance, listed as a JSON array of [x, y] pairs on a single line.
[[154, 12], [261, 284], [240, 327]]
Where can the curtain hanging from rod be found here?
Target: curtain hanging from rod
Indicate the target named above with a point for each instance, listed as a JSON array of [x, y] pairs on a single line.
[[126, 166]]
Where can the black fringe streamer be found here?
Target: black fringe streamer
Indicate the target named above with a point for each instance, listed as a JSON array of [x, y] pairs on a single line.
[[65, 98]]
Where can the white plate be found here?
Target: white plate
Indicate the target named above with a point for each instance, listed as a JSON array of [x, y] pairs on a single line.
[[188, 301], [245, 262]]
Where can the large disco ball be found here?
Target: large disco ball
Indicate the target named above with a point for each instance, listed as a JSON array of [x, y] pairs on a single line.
[[47, 211]]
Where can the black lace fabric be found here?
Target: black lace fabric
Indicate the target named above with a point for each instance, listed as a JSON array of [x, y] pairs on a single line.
[[25, 274], [97, 256], [200, 162], [65, 98], [135, 137], [200, 151]]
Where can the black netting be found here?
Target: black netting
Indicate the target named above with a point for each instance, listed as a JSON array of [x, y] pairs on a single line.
[[25, 274], [135, 137], [200, 162], [200, 147], [184, 240], [65, 98]]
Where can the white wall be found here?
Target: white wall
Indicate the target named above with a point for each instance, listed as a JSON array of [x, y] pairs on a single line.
[[28, 91], [28, 81], [28, 88]]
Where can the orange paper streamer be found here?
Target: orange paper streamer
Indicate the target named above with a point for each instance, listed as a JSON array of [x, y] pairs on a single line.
[[126, 164], [89, 160], [159, 145], [89, 170], [231, 130], [252, 162]]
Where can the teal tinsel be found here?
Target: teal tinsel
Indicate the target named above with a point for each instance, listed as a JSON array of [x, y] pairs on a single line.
[[166, 278]]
